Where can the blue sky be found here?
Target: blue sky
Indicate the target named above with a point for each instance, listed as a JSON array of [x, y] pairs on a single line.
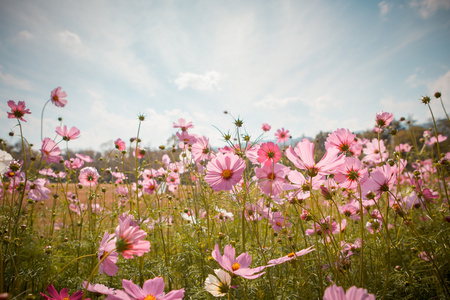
[[306, 66]]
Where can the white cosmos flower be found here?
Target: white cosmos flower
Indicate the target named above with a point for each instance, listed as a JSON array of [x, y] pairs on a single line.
[[218, 286], [5, 160]]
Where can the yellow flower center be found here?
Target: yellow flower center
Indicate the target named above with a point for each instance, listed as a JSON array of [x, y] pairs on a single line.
[[226, 174], [150, 297], [235, 266], [65, 298], [278, 223], [291, 254]]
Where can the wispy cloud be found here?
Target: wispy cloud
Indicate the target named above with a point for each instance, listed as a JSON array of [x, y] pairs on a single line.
[[71, 42], [202, 82], [271, 102], [24, 35], [385, 7], [428, 8], [13, 81]]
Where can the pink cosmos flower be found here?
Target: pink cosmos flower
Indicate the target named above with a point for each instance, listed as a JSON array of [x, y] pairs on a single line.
[[278, 221], [130, 239], [327, 226], [433, 140], [57, 97], [238, 266], [425, 256], [47, 172], [381, 180], [269, 153], [38, 191], [374, 225], [303, 158], [403, 148], [183, 125], [153, 289], [289, 257], [343, 140], [349, 173], [282, 135], [108, 244], [85, 158], [224, 171], [63, 295], [88, 176], [201, 149], [150, 186], [266, 127], [98, 288], [119, 144], [335, 292], [17, 111], [74, 163], [50, 151], [186, 139], [375, 152], [140, 152], [68, 135], [271, 178], [383, 119]]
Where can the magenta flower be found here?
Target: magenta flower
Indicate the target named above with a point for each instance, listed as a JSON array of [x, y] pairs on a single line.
[[335, 292], [63, 295], [282, 135], [269, 154], [153, 289], [238, 266], [119, 144], [266, 127], [183, 125], [289, 257], [303, 158], [224, 171], [57, 97], [88, 176], [50, 151], [130, 239], [383, 119], [108, 265], [17, 111]]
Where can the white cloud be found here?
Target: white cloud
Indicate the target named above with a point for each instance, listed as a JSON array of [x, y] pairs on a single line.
[[72, 43], [384, 8], [271, 102], [206, 82], [24, 35], [428, 8], [10, 80]]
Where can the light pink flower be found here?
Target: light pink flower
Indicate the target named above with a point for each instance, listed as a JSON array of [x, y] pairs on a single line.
[[282, 135], [271, 178], [88, 176], [183, 125], [119, 144], [68, 135], [350, 172], [98, 288], [130, 239], [266, 127], [383, 119], [74, 163], [17, 111], [335, 292], [373, 150], [152, 289], [57, 97], [403, 148], [426, 257], [63, 295], [381, 180], [343, 140], [108, 265], [201, 149], [38, 191], [238, 266], [289, 257], [269, 153], [140, 152], [433, 140], [303, 158], [224, 171], [50, 151], [327, 226], [85, 158]]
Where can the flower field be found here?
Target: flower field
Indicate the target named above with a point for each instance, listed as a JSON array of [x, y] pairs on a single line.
[[343, 217]]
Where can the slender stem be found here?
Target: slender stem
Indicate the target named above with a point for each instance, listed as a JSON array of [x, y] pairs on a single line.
[[42, 118]]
